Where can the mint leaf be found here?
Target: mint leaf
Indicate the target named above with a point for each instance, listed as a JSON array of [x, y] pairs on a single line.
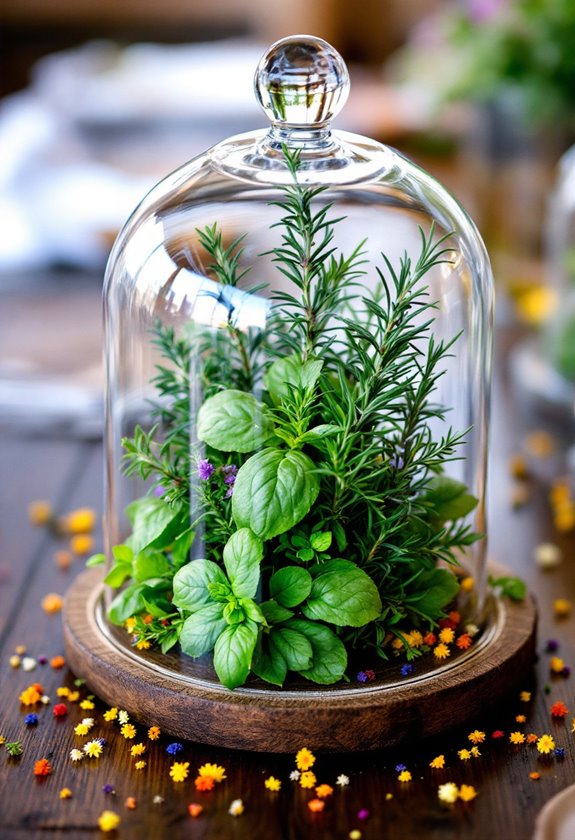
[[272, 669], [510, 587], [132, 600], [290, 371], [290, 586], [273, 491], [96, 560], [252, 610], [274, 613], [342, 594], [191, 584], [233, 421], [150, 564], [154, 523], [321, 540], [433, 592], [243, 554], [233, 653], [292, 646], [329, 657], [448, 499], [201, 629]]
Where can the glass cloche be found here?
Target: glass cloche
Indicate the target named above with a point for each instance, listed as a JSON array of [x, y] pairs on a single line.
[[298, 345]]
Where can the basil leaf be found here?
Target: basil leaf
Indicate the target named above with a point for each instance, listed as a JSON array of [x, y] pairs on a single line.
[[342, 594], [448, 499], [290, 371], [201, 629], [273, 491], [252, 610], [274, 613], [329, 659], [158, 608], [123, 553], [233, 653], [511, 587], [434, 589], [234, 421], [155, 523], [191, 583], [168, 642], [243, 554], [233, 613], [118, 574], [305, 554], [181, 548], [290, 586], [272, 669], [292, 646], [150, 564], [127, 603]]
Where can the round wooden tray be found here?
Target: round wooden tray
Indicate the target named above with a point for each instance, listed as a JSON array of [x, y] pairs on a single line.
[[186, 700]]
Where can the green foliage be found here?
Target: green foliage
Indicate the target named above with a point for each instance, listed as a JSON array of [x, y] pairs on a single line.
[[511, 587], [322, 505]]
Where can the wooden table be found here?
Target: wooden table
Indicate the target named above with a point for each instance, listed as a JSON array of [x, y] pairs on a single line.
[[68, 472]]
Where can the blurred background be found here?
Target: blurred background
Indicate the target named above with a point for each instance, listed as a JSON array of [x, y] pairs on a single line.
[[100, 99]]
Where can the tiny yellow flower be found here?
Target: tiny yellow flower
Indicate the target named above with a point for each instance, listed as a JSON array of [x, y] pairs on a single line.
[[476, 737], [517, 738], [467, 793], [556, 664], [93, 749], [446, 635], [308, 779], [82, 544], [404, 776], [214, 771], [143, 644], [80, 521], [63, 691], [81, 729], [74, 696], [40, 512], [449, 792], [129, 624], [304, 759], [139, 765], [475, 752], [467, 584], [179, 771], [65, 793], [525, 696], [137, 749], [128, 730], [438, 762], [87, 705], [562, 607], [272, 783], [323, 791], [154, 733], [415, 639], [545, 744], [108, 821], [464, 755], [111, 714], [441, 651]]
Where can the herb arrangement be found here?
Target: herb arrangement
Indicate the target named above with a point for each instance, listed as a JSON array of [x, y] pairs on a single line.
[[325, 520]]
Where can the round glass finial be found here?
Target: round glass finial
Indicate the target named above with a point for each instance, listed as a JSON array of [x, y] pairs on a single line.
[[301, 81]]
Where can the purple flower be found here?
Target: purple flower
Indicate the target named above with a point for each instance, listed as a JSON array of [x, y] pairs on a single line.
[[362, 814], [362, 677], [159, 491], [566, 671], [174, 749], [205, 469], [42, 660], [407, 669], [396, 461], [484, 10], [559, 752], [229, 492], [102, 742], [31, 719], [108, 789], [552, 646], [399, 768]]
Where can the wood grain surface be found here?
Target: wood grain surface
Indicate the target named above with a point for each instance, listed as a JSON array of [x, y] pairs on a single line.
[[508, 799]]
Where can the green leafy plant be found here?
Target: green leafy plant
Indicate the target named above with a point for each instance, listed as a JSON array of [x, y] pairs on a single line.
[[324, 517]]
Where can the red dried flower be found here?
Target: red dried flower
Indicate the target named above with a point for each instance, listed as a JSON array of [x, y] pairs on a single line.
[[60, 710]]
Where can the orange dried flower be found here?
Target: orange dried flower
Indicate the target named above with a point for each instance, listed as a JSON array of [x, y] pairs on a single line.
[[195, 809], [559, 710], [323, 791], [464, 641], [130, 803], [532, 738], [534, 775], [42, 767], [204, 783], [51, 603], [316, 805], [429, 639], [57, 662]]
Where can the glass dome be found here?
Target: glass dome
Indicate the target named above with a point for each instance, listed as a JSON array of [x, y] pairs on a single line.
[[298, 344]]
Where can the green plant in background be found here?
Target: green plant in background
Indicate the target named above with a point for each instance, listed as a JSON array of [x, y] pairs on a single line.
[[326, 520], [525, 45]]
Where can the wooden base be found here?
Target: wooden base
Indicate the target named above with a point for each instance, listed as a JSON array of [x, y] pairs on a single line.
[[186, 700]]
